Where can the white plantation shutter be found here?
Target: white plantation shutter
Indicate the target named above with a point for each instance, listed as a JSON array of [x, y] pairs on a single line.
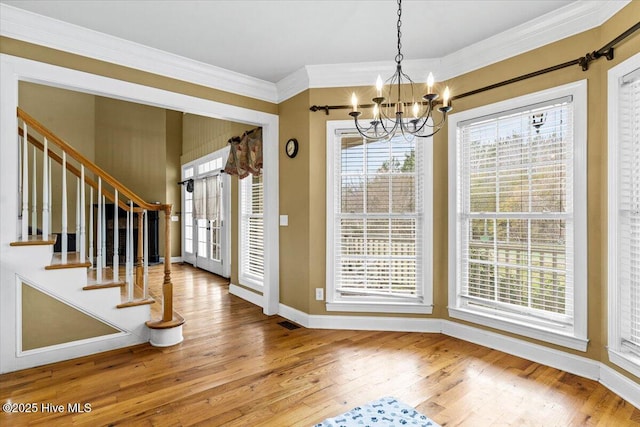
[[378, 218], [252, 229], [628, 233], [515, 212]]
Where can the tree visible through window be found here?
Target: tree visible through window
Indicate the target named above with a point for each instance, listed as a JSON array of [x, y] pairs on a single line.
[[624, 215], [378, 220], [515, 219]]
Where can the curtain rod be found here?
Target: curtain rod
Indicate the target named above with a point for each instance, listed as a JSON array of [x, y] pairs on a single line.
[[583, 62]]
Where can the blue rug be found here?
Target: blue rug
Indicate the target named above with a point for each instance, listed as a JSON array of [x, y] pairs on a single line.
[[385, 412]]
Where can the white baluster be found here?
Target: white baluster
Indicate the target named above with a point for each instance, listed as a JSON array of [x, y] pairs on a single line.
[[83, 208], [103, 256], [64, 208], [99, 233], [77, 214], [34, 197], [91, 226], [116, 230], [50, 216], [127, 249], [131, 253], [146, 256], [45, 191], [25, 185]]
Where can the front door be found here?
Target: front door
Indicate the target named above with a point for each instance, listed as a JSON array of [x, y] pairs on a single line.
[[206, 208]]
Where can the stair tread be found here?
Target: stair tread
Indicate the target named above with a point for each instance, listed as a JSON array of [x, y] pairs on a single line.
[[108, 282], [35, 241], [73, 261]]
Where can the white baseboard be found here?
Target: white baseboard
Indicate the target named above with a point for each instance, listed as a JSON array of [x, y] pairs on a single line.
[[578, 365], [174, 259], [246, 294], [619, 384], [537, 353], [360, 323]]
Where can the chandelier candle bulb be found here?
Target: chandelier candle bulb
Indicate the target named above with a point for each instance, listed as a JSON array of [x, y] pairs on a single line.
[[430, 83], [445, 97], [391, 120]]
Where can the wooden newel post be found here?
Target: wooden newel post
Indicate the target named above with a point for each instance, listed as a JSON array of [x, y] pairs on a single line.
[[169, 318], [167, 286]]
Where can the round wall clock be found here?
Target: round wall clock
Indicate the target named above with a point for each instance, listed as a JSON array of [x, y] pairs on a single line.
[[291, 148]]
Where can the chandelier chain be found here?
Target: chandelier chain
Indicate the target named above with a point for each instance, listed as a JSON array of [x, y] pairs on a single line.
[[391, 116], [399, 56]]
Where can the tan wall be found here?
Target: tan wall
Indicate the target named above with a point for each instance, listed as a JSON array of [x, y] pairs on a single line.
[[307, 171], [295, 264], [547, 56], [206, 135], [47, 321], [71, 116], [76, 62], [173, 196], [130, 145]]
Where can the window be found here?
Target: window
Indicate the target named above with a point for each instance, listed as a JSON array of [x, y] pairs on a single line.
[[378, 223], [518, 215], [188, 214], [624, 215], [252, 231]]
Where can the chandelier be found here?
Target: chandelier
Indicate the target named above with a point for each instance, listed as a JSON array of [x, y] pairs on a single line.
[[392, 114]]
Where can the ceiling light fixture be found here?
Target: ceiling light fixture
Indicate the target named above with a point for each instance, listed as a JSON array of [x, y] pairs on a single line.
[[421, 122]]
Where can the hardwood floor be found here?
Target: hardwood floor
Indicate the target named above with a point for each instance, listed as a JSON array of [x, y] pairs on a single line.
[[238, 367]]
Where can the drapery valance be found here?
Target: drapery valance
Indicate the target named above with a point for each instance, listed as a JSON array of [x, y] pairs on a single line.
[[245, 155]]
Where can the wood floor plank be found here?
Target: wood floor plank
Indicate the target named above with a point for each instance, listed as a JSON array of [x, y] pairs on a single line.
[[238, 367]]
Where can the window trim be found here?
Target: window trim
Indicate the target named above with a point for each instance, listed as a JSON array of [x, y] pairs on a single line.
[[369, 304], [246, 278], [576, 337], [626, 360]]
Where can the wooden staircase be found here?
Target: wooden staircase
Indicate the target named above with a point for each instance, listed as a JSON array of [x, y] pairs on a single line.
[[108, 290]]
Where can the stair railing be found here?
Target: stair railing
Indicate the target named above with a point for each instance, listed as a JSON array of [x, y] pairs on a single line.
[[107, 188]]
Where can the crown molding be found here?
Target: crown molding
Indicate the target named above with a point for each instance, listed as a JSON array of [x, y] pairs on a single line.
[[365, 73], [30, 27], [570, 20], [293, 84]]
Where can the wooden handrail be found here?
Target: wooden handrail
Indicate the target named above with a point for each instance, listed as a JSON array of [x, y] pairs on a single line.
[[169, 318], [73, 153], [74, 170]]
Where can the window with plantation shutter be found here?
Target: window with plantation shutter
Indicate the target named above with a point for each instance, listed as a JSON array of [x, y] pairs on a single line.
[[624, 215], [519, 227], [377, 223], [251, 231]]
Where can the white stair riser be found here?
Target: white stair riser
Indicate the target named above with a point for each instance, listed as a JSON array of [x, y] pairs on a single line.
[[27, 264], [33, 257]]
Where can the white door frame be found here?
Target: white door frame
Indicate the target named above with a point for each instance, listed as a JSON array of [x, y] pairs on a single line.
[[223, 153], [14, 69]]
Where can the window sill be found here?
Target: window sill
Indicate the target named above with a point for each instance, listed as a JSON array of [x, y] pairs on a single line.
[[251, 283], [627, 361], [375, 307], [565, 339]]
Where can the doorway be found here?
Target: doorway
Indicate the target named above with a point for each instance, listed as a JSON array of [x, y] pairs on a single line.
[[206, 235]]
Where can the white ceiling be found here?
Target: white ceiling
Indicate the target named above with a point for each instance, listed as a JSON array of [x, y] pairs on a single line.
[[270, 40]]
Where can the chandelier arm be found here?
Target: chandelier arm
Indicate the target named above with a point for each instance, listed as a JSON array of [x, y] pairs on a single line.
[[364, 131], [384, 126], [435, 129], [361, 129]]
